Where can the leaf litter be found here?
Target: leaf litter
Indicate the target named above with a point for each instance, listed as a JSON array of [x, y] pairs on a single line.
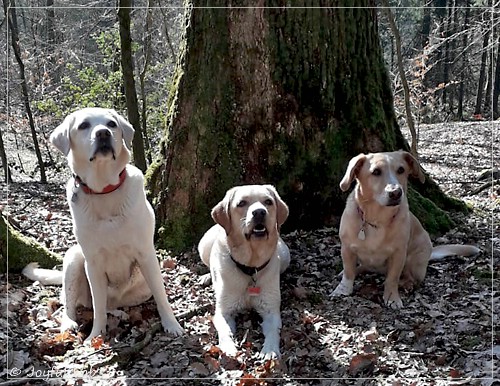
[[444, 334]]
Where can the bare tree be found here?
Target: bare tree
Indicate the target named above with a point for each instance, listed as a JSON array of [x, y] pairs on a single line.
[[129, 83], [406, 89], [3, 157], [146, 47], [10, 13]]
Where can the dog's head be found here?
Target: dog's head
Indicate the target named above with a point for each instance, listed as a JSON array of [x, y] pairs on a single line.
[[93, 135], [382, 177], [252, 212]]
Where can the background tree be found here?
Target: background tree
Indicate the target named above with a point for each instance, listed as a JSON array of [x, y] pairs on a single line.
[[10, 13], [129, 83], [279, 95]]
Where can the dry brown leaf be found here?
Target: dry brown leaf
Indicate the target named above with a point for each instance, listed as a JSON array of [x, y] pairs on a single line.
[[97, 342], [212, 363], [168, 264], [361, 363]]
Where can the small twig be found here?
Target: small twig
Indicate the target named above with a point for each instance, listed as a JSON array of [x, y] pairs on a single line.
[[485, 186], [20, 210]]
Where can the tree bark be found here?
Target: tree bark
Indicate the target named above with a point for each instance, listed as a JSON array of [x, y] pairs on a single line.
[[273, 95], [129, 83]]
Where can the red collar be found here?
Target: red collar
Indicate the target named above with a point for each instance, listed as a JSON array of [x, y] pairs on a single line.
[[107, 189]]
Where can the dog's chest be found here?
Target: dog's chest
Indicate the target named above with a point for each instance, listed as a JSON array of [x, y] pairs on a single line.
[[372, 248], [102, 219], [120, 266]]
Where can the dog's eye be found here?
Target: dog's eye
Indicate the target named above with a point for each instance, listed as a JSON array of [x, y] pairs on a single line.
[[83, 126], [268, 202], [241, 204], [400, 170], [111, 124], [377, 172]]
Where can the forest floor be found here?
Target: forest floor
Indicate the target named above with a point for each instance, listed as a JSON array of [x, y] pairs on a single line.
[[444, 334]]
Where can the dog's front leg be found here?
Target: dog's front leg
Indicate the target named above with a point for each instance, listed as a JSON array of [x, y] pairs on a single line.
[[151, 271], [99, 289], [349, 261], [225, 325], [271, 326], [395, 267]]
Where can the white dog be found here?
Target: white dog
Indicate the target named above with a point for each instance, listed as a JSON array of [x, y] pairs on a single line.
[[114, 263], [246, 256]]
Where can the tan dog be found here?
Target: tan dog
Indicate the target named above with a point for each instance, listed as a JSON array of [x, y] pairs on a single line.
[[114, 263], [246, 256], [377, 229]]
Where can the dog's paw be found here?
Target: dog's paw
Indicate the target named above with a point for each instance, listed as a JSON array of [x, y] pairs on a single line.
[[173, 327], [205, 280], [344, 288], [393, 301], [270, 352], [68, 324], [228, 347]]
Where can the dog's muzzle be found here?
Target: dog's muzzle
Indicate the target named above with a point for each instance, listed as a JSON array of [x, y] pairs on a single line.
[[103, 144], [258, 227], [394, 195]]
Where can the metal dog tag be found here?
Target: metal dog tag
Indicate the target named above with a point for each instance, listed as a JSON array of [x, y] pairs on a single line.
[[74, 197], [361, 234]]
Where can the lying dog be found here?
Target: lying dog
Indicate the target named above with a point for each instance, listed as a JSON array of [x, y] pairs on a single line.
[[377, 229], [246, 256], [114, 263]]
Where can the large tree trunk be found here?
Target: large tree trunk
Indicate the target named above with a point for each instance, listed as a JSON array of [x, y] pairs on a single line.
[[272, 95]]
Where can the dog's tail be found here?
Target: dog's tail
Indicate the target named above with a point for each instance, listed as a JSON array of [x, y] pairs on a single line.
[[441, 251], [44, 276]]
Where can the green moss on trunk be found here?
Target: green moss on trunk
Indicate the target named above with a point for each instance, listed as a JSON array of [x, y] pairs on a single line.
[[435, 220], [21, 250]]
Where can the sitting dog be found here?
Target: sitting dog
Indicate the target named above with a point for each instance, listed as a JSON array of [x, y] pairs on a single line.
[[246, 256], [377, 229], [114, 263]]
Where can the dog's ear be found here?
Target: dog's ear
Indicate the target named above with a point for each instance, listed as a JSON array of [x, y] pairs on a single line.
[[221, 213], [352, 171], [415, 169], [281, 207], [127, 129], [60, 136]]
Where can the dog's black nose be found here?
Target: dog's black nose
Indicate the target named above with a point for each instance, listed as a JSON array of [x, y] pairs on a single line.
[[103, 133], [259, 214], [395, 194]]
